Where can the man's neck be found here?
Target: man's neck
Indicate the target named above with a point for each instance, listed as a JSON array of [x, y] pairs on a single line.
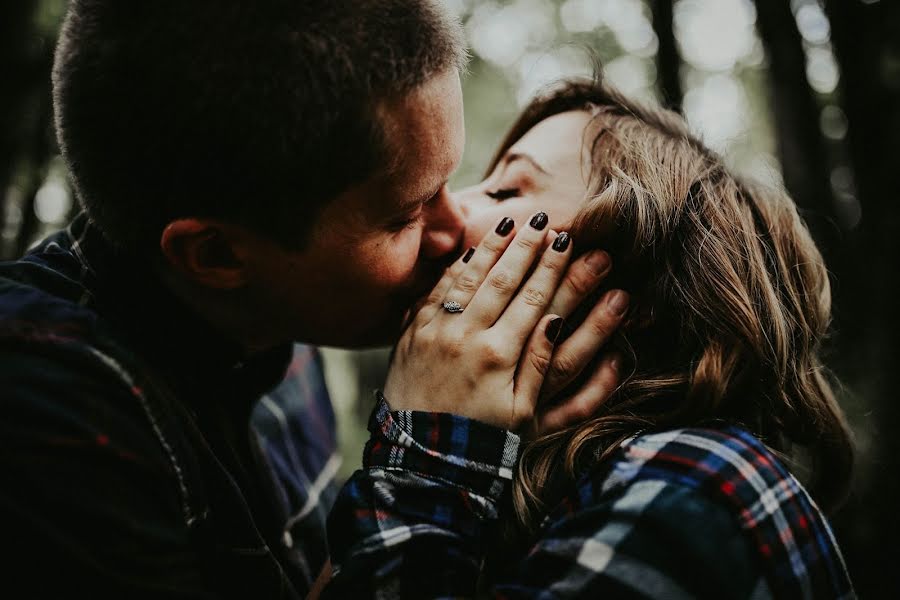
[[229, 313]]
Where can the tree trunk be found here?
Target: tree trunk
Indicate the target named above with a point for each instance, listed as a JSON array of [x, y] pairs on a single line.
[[801, 146], [668, 60], [16, 65], [39, 147], [42, 150]]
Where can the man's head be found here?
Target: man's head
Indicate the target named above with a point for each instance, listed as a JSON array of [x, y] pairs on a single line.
[[241, 141]]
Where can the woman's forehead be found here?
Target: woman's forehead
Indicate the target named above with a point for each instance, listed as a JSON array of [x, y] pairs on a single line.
[[560, 143]]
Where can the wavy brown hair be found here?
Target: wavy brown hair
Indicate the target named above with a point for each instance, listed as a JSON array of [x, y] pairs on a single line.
[[730, 302]]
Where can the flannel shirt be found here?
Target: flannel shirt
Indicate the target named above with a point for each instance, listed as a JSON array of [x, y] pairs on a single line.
[[129, 467], [688, 513]]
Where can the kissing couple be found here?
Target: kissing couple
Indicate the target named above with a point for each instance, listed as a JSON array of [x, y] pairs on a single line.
[[606, 376]]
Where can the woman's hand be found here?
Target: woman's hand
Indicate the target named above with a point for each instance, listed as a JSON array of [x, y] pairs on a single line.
[[489, 361], [572, 355]]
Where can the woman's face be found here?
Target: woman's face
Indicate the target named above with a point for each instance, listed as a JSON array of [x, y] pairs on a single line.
[[546, 169]]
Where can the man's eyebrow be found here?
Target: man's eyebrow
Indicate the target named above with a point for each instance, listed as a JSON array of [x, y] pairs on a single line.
[[512, 157], [408, 204]]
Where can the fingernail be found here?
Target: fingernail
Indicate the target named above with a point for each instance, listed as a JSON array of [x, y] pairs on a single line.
[[505, 226], [469, 254], [598, 262], [539, 221], [615, 361], [618, 302], [562, 242], [553, 329]]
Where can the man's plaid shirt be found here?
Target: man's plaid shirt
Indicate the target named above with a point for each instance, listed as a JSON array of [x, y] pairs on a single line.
[[686, 513], [128, 464]]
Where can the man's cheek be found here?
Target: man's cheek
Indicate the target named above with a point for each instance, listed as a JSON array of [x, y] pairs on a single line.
[[398, 270], [399, 260]]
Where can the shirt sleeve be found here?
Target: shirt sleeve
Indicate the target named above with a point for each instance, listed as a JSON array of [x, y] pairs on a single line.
[[88, 502], [415, 520]]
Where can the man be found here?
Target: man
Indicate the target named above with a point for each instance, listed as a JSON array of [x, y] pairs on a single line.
[[252, 174]]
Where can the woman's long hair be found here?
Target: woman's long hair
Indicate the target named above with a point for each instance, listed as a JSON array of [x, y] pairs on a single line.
[[730, 302]]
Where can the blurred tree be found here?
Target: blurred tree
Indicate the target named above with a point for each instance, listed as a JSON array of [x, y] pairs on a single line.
[[27, 141], [866, 39], [16, 64], [801, 146], [39, 148], [668, 59]]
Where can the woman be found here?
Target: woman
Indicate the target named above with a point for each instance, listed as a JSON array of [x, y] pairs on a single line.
[[729, 305], [680, 484]]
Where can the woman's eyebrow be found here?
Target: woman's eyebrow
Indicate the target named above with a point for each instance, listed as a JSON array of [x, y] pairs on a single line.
[[512, 157]]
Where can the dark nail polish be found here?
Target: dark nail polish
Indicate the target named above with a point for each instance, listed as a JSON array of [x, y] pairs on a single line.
[[539, 221], [553, 329], [505, 226], [562, 242], [469, 254]]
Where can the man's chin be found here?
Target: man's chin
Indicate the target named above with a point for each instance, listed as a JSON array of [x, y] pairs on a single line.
[[388, 328], [395, 327], [385, 333]]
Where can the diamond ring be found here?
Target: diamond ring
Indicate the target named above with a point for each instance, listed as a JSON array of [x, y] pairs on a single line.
[[451, 306]]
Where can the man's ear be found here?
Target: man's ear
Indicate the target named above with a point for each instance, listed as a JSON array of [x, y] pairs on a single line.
[[206, 252]]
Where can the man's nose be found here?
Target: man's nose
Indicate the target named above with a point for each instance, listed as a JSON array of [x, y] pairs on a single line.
[[444, 225]]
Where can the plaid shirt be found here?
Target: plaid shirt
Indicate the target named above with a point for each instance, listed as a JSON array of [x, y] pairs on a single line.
[[686, 513], [128, 464]]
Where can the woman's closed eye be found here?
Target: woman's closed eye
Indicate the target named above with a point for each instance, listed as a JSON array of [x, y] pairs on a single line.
[[504, 194]]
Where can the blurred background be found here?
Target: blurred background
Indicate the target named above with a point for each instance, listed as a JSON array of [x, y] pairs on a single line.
[[805, 93]]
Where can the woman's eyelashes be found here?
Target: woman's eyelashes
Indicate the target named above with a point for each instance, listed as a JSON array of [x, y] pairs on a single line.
[[504, 194]]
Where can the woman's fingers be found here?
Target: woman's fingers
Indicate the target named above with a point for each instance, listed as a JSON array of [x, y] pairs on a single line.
[[533, 365], [532, 299], [585, 402], [474, 272], [504, 278], [582, 278], [585, 342], [436, 298]]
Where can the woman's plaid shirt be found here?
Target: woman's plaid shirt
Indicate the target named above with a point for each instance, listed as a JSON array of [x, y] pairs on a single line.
[[678, 514]]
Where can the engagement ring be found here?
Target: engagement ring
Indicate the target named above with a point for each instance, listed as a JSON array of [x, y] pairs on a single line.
[[451, 306]]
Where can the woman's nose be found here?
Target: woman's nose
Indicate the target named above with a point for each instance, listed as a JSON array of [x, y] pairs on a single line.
[[467, 200]]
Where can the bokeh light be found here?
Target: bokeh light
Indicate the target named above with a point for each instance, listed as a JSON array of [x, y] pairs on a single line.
[[502, 34], [812, 23], [714, 35], [717, 109], [821, 70]]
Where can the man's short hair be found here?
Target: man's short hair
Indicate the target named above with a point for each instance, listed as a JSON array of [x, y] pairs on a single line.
[[255, 112]]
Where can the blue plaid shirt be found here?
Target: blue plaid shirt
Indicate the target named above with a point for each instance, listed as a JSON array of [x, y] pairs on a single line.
[[689, 513], [296, 428], [128, 464]]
